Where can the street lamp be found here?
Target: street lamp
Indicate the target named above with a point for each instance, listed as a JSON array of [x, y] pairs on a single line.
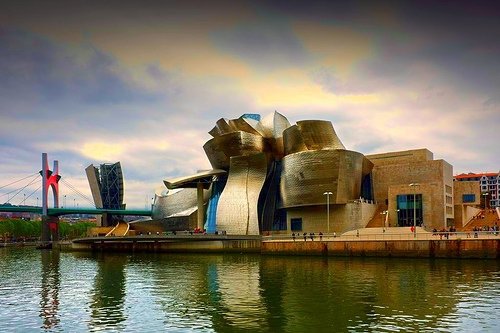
[[328, 210], [385, 213], [413, 185], [485, 194], [64, 201]]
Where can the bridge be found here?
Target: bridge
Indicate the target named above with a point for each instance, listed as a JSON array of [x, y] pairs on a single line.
[[50, 216], [69, 211]]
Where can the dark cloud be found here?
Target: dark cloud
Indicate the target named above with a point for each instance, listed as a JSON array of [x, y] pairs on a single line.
[[34, 67], [268, 44]]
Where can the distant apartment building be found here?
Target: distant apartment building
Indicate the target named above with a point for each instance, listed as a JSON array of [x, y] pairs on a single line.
[[489, 187]]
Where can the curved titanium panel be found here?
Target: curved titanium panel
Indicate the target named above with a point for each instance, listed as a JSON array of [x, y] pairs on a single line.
[[220, 149], [215, 132], [245, 125], [273, 125], [293, 141], [174, 203], [281, 123], [307, 175], [237, 209], [319, 134], [223, 126]]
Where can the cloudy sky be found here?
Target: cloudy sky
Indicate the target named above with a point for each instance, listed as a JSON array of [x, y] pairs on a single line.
[[143, 82]]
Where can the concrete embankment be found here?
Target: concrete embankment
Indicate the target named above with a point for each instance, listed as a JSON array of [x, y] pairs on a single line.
[[452, 248], [485, 246], [180, 243]]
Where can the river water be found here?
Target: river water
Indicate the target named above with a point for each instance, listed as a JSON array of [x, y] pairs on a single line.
[[52, 291]]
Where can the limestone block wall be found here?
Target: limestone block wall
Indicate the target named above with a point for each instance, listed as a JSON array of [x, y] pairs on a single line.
[[432, 202], [470, 187]]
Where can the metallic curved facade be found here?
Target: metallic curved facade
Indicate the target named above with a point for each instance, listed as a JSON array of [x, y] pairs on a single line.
[[220, 149], [293, 141], [271, 168], [174, 203], [307, 175], [237, 210], [319, 134]]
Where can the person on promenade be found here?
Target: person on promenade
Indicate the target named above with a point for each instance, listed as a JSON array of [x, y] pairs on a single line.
[[293, 236], [320, 236], [311, 235], [305, 236]]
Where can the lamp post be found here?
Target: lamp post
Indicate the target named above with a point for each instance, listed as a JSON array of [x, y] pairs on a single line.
[[385, 213], [397, 216], [64, 201], [413, 185], [485, 194], [328, 193]]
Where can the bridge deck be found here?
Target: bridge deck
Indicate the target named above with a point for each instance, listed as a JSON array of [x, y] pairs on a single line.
[[68, 211]]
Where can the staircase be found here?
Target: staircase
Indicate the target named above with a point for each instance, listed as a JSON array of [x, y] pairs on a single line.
[[486, 217], [378, 219]]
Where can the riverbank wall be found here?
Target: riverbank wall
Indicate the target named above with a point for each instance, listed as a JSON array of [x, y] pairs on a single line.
[[411, 248], [180, 243], [439, 248]]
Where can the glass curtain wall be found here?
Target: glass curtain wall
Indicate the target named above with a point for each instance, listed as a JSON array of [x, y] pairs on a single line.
[[405, 208]]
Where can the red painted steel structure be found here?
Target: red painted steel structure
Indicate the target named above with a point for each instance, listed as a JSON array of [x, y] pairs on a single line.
[[50, 179]]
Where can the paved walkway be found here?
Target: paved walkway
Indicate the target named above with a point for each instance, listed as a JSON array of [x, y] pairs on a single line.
[[394, 233]]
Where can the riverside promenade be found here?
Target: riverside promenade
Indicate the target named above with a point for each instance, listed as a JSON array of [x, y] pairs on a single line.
[[388, 242], [368, 242]]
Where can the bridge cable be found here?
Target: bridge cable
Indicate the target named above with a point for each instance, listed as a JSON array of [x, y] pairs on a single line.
[[39, 187], [31, 182], [78, 192], [17, 181]]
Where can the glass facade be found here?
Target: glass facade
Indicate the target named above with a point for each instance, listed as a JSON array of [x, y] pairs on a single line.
[[406, 204]]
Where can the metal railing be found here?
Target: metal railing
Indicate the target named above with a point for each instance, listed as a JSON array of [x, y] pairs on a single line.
[[386, 236]]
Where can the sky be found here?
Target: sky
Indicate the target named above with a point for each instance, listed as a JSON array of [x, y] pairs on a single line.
[[142, 82]]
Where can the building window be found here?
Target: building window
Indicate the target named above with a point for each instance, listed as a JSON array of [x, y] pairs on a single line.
[[296, 224], [468, 198], [408, 206], [448, 189], [449, 200], [449, 210]]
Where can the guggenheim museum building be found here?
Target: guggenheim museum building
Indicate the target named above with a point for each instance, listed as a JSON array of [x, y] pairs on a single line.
[[270, 176]]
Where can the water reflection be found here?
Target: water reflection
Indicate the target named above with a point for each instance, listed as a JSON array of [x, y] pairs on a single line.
[[238, 302], [109, 292], [231, 293], [49, 292]]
